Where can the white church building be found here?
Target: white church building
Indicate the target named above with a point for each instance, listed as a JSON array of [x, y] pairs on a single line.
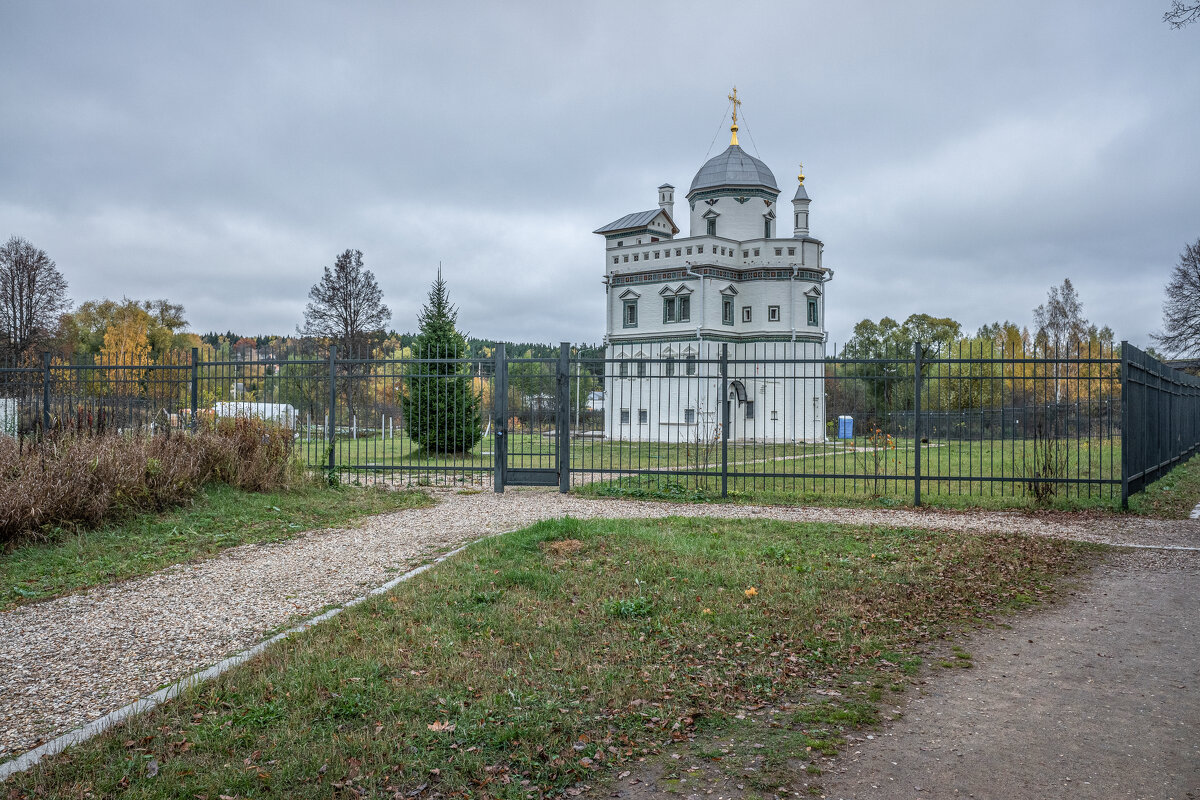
[[674, 301]]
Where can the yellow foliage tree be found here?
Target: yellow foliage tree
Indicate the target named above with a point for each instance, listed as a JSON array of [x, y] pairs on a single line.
[[126, 352]]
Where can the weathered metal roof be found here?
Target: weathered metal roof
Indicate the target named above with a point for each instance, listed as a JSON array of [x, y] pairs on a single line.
[[734, 167], [638, 219], [800, 193]]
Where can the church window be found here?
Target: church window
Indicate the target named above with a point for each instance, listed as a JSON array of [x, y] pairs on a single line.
[[641, 368], [616, 259], [746, 315], [635, 256], [745, 254], [639, 241], [797, 219], [643, 416], [756, 252], [624, 416], [668, 309], [685, 308], [712, 226], [656, 253], [689, 251], [812, 312], [766, 229], [791, 251], [778, 251], [699, 248], [623, 370], [727, 310], [689, 416], [631, 313], [653, 239], [749, 405], [670, 365], [620, 243], [678, 251], [690, 365], [772, 313], [626, 259]]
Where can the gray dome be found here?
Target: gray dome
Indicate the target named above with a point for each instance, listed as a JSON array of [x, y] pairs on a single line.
[[734, 167]]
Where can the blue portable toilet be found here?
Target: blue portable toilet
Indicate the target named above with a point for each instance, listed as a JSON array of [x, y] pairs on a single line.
[[845, 427]]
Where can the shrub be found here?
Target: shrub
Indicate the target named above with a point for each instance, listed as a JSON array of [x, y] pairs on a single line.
[[84, 481]]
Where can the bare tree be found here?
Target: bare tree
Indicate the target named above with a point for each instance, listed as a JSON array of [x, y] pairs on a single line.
[[1182, 13], [1181, 311], [346, 305], [32, 295]]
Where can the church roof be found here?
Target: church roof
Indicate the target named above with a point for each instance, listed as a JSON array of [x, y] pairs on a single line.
[[734, 167], [801, 194], [639, 219]]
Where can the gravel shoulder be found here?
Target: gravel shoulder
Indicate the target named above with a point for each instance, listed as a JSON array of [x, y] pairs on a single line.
[[70, 660]]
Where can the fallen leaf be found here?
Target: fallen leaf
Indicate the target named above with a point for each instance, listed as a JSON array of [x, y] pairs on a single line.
[[441, 726]]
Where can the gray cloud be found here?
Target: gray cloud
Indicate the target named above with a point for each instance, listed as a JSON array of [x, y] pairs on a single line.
[[962, 158]]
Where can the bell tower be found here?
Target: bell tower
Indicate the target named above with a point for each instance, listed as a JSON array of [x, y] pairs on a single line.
[[800, 208]]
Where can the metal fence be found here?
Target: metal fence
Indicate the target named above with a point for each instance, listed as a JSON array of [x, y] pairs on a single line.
[[1160, 416], [776, 421]]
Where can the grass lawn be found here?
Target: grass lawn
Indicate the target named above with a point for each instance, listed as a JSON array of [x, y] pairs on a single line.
[[564, 652], [220, 517], [1173, 496], [879, 475]]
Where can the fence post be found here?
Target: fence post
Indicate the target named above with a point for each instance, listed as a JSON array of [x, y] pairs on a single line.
[[195, 388], [500, 419], [1125, 439], [46, 394], [562, 426], [331, 420], [724, 401], [917, 423]]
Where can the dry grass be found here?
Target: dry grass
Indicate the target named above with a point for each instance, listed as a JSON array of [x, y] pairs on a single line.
[[84, 481]]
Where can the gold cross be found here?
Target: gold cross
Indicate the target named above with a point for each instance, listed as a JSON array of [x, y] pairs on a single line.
[[733, 99]]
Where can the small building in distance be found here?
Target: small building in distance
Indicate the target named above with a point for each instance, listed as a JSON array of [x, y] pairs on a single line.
[[672, 303], [283, 414]]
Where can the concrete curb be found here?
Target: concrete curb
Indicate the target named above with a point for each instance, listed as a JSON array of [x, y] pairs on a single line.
[[113, 718]]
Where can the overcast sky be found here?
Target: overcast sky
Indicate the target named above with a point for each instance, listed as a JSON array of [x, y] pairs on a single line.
[[961, 157]]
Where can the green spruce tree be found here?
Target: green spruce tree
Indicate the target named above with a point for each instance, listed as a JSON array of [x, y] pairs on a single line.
[[442, 411]]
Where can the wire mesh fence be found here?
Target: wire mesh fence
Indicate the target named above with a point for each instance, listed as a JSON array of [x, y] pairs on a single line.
[[775, 421]]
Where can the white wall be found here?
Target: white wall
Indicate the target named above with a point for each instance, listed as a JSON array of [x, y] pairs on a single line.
[[785, 383]]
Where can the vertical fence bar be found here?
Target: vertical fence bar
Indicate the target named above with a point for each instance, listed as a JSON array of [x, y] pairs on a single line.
[[917, 423], [724, 401], [1125, 437], [331, 426], [499, 422], [194, 390], [45, 394], [562, 426]]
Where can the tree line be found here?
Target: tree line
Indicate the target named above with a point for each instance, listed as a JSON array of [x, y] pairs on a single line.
[[346, 309]]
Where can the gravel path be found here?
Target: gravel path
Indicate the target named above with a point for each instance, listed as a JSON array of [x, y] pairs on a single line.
[[67, 661]]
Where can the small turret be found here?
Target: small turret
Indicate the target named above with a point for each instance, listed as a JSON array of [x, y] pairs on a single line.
[[666, 199], [800, 208]]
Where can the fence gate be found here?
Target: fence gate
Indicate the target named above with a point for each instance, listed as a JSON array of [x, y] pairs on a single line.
[[532, 420]]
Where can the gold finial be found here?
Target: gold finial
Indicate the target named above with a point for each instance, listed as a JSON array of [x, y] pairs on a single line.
[[801, 175], [733, 129]]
